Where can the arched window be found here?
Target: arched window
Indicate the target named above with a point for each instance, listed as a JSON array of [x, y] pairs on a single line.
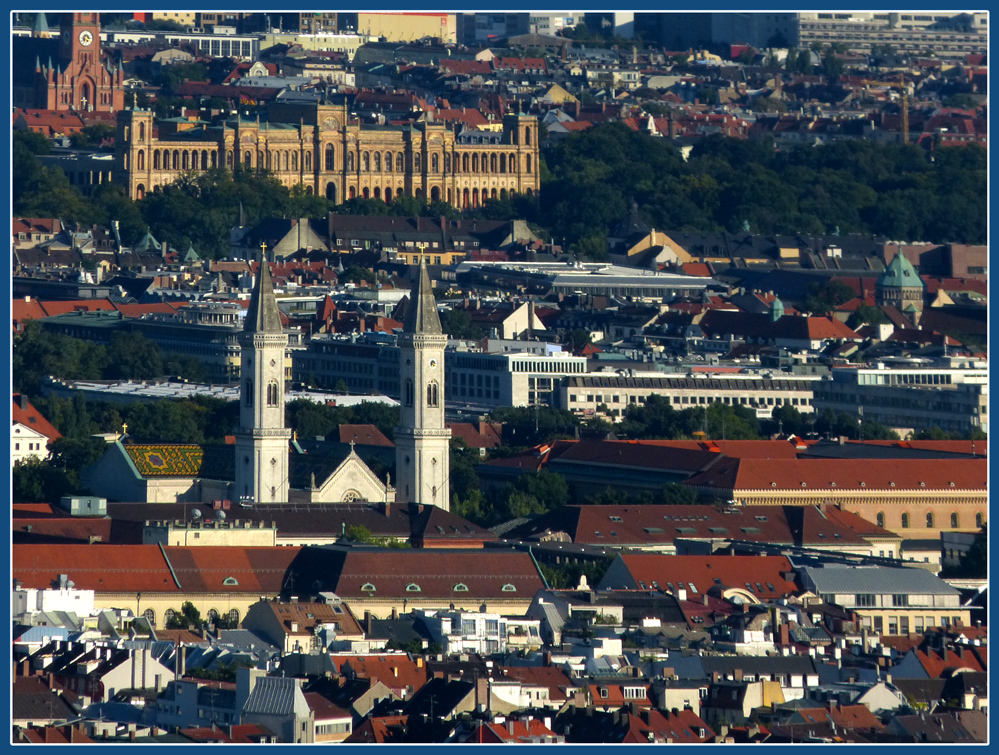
[[184, 160], [140, 160], [513, 164], [460, 587], [286, 160], [388, 195], [409, 392], [378, 162], [168, 616], [929, 519], [212, 616], [176, 159], [979, 520], [351, 192], [954, 520], [400, 163], [881, 519], [475, 163], [330, 155], [247, 159], [205, 159], [527, 136], [127, 130], [308, 191], [272, 394], [367, 587], [366, 162], [435, 164], [365, 193], [432, 393], [413, 587], [350, 161], [156, 160], [233, 618], [475, 197], [528, 163], [230, 582], [508, 588], [905, 521], [447, 162], [492, 163], [503, 163], [435, 194], [388, 162], [308, 161], [150, 615], [294, 161], [142, 132], [260, 159], [464, 163], [416, 163], [464, 197], [140, 191], [248, 393], [331, 191], [503, 194]]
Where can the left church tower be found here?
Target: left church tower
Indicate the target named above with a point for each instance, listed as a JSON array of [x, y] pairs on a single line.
[[262, 439]]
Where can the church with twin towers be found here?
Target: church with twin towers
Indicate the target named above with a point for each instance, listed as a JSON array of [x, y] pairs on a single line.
[[422, 440]]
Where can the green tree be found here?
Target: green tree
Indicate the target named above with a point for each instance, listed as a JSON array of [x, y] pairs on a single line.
[[458, 323], [133, 356]]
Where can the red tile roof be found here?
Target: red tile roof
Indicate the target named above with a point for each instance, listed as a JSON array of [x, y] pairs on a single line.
[[400, 673], [480, 435], [844, 474], [26, 309], [29, 416], [53, 308], [436, 573], [102, 568], [511, 731], [938, 662], [364, 435], [256, 570], [704, 571]]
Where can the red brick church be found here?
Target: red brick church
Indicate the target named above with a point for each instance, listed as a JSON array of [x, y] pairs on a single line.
[[67, 72]]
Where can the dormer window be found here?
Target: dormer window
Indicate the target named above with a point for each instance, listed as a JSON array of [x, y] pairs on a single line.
[[367, 587], [413, 587], [460, 587], [508, 588], [230, 582]]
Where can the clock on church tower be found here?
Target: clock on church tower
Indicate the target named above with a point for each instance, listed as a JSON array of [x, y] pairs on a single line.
[[79, 41]]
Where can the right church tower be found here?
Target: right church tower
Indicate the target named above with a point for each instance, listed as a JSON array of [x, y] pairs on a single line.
[[422, 441]]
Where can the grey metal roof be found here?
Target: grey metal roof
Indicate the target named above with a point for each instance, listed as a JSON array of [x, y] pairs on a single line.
[[870, 579], [272, 696], [758, 666]]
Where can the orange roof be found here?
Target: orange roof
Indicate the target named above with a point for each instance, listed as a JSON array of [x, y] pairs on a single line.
[[29, 416], [705, 571], [102, 568], [398, 672], [206, 568], [26, 309], [512, 731], [364, 435], [844, 474], [736, 449], [936, 662], [53, 308]]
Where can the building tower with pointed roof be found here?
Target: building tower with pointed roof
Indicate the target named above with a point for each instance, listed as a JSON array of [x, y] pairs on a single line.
[[901, 287], [262, 439], [422, 441]]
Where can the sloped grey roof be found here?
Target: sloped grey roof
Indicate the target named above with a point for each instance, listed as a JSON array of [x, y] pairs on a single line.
[[274, 696], [262, 315], [861, 579], [421, 314], [758, 666]]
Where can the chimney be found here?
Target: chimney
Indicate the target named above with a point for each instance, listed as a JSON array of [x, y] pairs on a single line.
[[367, 622], [24, 402], [704, 599], [833, 704]]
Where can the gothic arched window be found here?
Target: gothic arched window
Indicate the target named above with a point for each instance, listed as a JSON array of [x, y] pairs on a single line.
[[272, 394], [432, 393]]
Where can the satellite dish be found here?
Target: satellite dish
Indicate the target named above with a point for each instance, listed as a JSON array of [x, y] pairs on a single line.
[[195, 514], [220, 515]]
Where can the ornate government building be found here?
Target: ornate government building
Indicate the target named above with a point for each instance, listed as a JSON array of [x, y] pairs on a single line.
[[330, 154]]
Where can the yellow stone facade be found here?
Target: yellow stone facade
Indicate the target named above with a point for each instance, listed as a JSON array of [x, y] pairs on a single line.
[[322, 149]]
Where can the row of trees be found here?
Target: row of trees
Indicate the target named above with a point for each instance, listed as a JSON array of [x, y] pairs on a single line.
[[590, 178]]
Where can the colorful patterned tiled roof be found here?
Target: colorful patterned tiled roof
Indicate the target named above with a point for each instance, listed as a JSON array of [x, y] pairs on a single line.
[[163, 460]]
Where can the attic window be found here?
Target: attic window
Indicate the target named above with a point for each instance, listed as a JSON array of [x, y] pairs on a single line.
[[952, 484], [804, 484], [761, 519], [654, 530], [863, 484], [770, 587], [692, 588], [832, 484], [412, 587], [230, 581], [922, 484], [892, 484], [509, 588], [460, 587], [615, 519], [773, 484], [367, 587]]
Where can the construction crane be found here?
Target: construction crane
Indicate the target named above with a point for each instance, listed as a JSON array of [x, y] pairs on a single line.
[[899, 85]]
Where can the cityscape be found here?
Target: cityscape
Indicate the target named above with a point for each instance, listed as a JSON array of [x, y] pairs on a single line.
[[499, 377]]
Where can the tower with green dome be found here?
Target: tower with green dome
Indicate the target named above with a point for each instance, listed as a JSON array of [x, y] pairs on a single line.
[[901, 287]]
